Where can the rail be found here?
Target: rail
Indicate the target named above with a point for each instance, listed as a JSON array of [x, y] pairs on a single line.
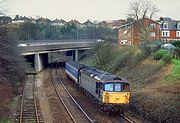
[[29, 108], [75, 102]]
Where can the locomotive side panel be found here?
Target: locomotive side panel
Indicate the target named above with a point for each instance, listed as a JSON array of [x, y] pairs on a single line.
[[88, 84]]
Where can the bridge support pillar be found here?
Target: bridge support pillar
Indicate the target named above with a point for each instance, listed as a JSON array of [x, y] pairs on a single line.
[[40, 61], [76, 56]]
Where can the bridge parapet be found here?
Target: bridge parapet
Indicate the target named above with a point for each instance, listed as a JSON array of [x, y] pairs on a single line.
[[32, 48]]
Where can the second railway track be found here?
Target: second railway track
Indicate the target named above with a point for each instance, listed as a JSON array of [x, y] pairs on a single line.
[[30, 108], [75, 111]]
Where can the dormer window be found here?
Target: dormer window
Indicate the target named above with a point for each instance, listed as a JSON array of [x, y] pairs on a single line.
[[165, 26], [178, 25]]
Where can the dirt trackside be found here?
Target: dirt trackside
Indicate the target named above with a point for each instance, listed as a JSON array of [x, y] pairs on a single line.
[[153, 98]]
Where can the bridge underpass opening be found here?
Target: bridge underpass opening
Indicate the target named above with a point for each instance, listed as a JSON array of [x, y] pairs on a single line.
[[41, 60], [37, 61]]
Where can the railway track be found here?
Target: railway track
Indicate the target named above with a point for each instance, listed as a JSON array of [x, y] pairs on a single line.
[[30, 108], [75, 111], [126, 118]]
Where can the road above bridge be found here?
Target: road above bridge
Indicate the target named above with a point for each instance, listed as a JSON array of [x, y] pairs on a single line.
[[47, 46]]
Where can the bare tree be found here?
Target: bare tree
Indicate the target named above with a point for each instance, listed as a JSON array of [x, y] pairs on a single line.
[[140, 9]]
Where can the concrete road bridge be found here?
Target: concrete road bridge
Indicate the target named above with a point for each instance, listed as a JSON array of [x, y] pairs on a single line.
[[36, 51]]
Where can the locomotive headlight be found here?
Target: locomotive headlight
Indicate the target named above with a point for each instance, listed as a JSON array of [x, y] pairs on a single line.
[[117, 97], [106, 94]]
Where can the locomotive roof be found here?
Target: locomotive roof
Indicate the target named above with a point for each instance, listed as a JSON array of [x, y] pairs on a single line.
[[75, 64], [100, 75]]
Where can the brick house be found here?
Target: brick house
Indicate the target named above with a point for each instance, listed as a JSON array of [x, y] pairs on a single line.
[[170, 29], [131, 32], [58, 22]]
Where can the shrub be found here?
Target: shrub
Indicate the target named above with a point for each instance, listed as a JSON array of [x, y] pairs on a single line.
[[158, 55], [137, 58], [176, 53], [176, 43], [120, 61], [167, 58], [148, 47]]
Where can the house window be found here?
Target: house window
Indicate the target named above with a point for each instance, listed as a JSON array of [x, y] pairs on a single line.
[[165, 33], [177, 33], [152, 34], [165, 26], [178, 25], [152, 25], [125, 32]]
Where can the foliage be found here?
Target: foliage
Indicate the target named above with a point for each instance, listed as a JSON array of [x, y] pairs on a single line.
[[46, 31], [137, 58], [176, 43], [149, 47], [164, 55], [111, 58], [176, 53], [174, 76], [11, 64], [158, 55], [167, 58], [103, 55], [120, 61], [4, 121]]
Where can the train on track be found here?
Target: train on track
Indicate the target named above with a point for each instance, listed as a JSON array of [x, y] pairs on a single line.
[[110, 92]]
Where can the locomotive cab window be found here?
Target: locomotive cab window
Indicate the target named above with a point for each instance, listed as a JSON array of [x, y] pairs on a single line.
[[116, 87], [108, 87], [125, 87]]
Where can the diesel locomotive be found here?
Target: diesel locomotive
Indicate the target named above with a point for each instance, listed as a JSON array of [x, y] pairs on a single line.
[[110, 92]]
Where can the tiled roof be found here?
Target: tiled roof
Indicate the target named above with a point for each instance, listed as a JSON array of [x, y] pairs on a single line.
[[172, 25]]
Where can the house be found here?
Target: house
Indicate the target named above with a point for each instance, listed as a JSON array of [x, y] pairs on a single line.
[[134, 32], [19, 19], [115, 23], [88, 23], [31, 19], [5, 20], [43, 21], [58, 22], [75, 22], [170, 29]]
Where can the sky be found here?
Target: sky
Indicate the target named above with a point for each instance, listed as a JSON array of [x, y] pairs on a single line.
[[83, 10]]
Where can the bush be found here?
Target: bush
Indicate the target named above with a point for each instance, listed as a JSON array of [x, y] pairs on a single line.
[[176, 43], [121, 61], [137, 58], [176, 53], [167, 58], [158, 55], [148, 47]]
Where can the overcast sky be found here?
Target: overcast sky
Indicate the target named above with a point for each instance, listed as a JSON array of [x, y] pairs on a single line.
[[85, 9]]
